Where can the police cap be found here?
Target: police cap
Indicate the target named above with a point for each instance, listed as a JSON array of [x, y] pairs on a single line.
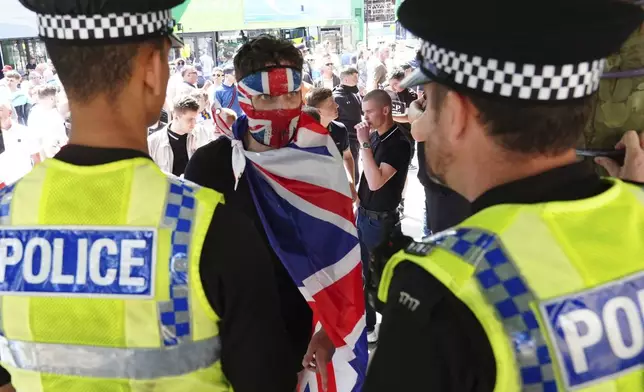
[[98, 22], [537, 51]]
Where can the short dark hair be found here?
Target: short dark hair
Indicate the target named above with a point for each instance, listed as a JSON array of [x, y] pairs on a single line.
[[265, 50], [397, 73], [184, 104], [87, 71], [318, 95], [527, 127], [380, 96], [313, 112], [348, 71]]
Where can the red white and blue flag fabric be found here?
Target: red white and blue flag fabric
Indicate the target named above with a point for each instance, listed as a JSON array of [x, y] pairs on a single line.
[[271, 127], [303, 198]]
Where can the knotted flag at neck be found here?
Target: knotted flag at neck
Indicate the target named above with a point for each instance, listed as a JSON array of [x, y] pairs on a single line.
[[303, 199]]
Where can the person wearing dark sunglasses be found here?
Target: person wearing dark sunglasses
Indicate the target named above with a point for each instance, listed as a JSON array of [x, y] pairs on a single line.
[[328, 79]]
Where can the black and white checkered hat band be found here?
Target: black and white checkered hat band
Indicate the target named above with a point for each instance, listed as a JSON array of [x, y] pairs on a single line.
[[103, 27], [512, 80]]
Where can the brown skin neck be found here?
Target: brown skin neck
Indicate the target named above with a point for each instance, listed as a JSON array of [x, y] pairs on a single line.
[[385, 126], [107, 123]]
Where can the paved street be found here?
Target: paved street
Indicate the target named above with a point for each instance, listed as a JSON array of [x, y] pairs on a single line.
[[414, 205]]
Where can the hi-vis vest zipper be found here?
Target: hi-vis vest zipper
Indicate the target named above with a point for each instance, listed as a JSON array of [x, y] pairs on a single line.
[[99, 281], [558, 288]]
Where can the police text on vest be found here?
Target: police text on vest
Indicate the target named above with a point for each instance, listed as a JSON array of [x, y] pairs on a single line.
[[598, 333], [82, 261]]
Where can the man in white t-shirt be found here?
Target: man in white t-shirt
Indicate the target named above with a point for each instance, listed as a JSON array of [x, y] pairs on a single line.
[[18, 148], [207, 63], [47, 123]]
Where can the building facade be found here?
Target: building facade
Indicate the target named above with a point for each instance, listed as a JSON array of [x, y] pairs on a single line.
[[210, 28]]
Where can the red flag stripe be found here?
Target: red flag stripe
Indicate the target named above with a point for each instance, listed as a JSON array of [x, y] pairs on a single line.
[[341, 314], [323, 198], [309, 123]]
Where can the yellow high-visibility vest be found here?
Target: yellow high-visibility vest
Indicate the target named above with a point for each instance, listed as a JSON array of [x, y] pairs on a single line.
[[99, 281], [558, 288]]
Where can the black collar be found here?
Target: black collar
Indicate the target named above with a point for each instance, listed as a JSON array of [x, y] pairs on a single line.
[[387, 134], [92, 156], [571, 182]]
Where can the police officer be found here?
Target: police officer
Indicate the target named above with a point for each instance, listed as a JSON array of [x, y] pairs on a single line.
[[113, 275], [542, 288]]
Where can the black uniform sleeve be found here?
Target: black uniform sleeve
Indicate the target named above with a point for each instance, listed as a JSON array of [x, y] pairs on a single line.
[[5, 377], [429, 340], [238, 279]]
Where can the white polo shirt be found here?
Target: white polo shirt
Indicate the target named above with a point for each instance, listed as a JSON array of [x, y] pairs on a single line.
[[16, 160]]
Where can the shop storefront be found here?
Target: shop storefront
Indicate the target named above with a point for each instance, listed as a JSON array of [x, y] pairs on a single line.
[[18, 52], [18, 26]]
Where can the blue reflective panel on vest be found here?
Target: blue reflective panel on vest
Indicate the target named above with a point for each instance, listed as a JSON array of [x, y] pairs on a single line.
[[598, 333], [83, 261]]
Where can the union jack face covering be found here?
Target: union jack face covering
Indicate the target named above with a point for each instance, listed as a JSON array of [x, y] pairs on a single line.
[[274, 128]]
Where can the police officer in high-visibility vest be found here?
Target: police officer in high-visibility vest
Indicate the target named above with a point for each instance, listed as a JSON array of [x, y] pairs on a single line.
[[113, 275], [542, 289]]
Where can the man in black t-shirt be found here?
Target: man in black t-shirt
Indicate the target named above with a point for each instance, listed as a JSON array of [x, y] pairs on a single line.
[[322, 99], [386, 153]]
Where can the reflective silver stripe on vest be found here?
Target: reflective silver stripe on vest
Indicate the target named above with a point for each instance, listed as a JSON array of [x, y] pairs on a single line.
[[506, 290], [6, 194], [103, 362]]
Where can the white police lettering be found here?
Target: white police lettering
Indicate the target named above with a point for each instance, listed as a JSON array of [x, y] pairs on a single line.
[[30, 275], [578, 342], [616, 336], [128, 260], [96, 261], [598, 333], [81, 271], [10, 254], [58, 277]]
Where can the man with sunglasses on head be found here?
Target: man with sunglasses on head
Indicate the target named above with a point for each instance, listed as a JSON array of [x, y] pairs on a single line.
[[281, 168]]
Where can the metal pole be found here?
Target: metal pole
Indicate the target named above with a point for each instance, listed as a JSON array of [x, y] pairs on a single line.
[[1, 56], [366, 25]]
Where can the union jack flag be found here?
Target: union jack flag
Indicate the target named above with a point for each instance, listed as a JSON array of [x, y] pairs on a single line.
[[302, 195], [273, 82]]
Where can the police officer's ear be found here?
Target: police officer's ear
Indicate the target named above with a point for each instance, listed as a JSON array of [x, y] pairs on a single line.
[[455, 110], [152, 60]]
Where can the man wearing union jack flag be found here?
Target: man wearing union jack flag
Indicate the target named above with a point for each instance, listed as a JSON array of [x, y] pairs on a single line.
[[281, 168]]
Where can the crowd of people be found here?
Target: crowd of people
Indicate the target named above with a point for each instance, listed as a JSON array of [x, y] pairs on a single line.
[[246, 240], [34, 120], [356, 96]]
